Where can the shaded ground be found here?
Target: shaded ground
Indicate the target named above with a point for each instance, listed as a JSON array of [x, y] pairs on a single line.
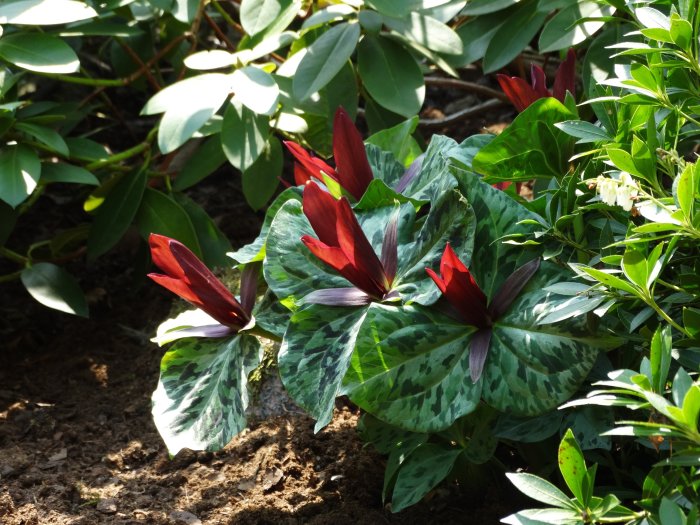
[[77, 444]]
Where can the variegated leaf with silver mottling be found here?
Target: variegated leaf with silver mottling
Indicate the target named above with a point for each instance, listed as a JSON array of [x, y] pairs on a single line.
[[411, 368], [202, 392], [315, 355], [384, 165], [434, 177], [532, 368]]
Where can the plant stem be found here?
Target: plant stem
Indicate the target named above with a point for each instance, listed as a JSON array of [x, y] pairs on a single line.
[[10, 276], [124, 155], [13, 256], [261, 332]]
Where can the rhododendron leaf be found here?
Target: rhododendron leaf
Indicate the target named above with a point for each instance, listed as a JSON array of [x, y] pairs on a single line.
[[316, 353], [255, 251], [202, 392]]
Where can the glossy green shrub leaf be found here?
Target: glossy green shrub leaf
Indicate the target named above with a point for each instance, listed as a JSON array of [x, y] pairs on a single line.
[[255, 89], [213, 242], [116, 213], [63, 172], [20, 170], [567, 28], [427, 31], [476, 34], [315, 354], [257, 15], [255, 251], [512, 37], [482, 7], [261, 179], [243, 135], [202, 392], [531, 147], [324, 58], [86, 149], [44, 12], [203, 162], [54, 287], [391, 75], [39, 52], [160, 214], [187, 105], [394, 7], [421, 472], [47, 136]]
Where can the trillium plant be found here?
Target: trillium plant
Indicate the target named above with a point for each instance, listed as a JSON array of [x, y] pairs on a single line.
[[466, 321]]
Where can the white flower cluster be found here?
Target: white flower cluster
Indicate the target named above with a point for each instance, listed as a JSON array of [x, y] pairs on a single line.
[[622, 191]]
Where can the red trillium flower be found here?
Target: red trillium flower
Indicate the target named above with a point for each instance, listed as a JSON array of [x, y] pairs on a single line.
[[352, 171], [460, 289], [187, 276], [342, 245], [521, 94]]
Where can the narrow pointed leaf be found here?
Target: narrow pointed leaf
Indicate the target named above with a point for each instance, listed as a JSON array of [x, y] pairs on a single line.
[[478, 352], [338, 297], [511, 287]]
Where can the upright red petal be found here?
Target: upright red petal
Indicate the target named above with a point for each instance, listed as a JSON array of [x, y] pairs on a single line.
[[336, 259], [310, 166], [354, 172], [539, 82], [189, 278], [320, 208], [565, 79], [519, 92], [359, 251], [301, 174], [462, 291], [163, 257]]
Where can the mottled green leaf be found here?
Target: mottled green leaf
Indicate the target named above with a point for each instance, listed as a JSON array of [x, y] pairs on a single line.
[[316, 353], [427, 466], [202, 392], [434, 177], [411, 368]]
